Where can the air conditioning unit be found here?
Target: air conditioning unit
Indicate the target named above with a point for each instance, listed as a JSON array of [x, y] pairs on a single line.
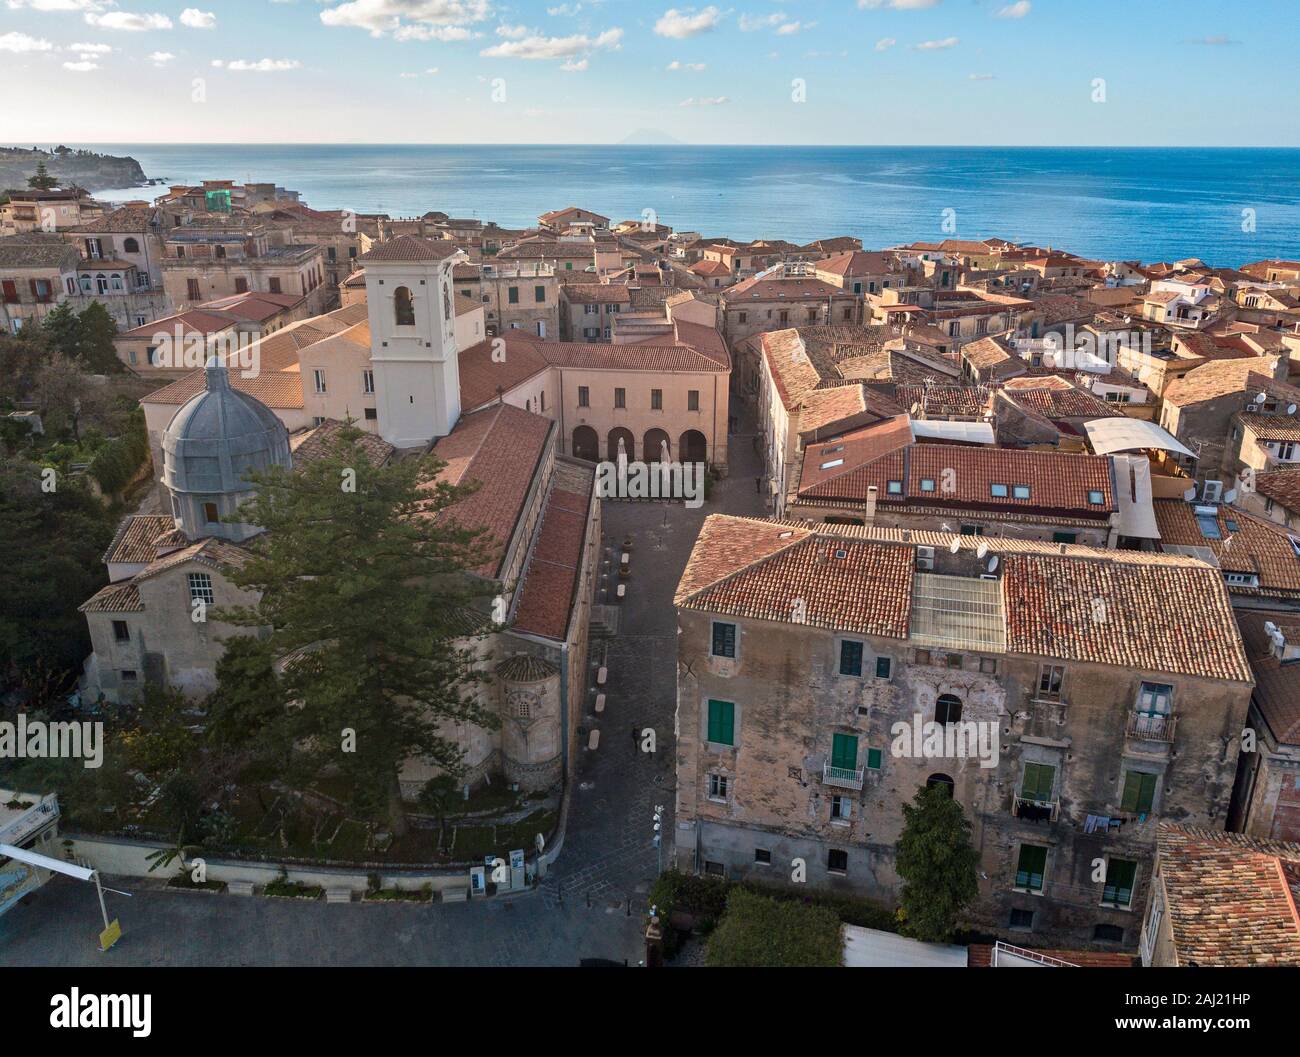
[[1252, 407], [1212, 492], [925, 557]]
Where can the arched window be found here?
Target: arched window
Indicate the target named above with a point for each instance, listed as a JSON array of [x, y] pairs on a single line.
[[947, 709], [943, 781], [403, 307], [129, 245]]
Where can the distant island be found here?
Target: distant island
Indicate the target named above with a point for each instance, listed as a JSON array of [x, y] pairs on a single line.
[[82, 168], [649, 137]]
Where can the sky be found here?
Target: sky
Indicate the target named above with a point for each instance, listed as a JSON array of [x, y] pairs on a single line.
[[979, 72]]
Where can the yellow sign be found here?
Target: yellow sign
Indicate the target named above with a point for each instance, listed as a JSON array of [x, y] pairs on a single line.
[[110, 935]]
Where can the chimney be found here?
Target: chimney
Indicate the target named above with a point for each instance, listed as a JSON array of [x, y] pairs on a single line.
[[870, 515]]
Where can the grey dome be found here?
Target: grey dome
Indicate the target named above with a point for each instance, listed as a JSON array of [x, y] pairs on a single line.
[[218, 436]]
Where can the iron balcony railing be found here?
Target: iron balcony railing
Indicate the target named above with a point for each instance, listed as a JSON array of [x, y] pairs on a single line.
[[842, 777], [1151, 726]]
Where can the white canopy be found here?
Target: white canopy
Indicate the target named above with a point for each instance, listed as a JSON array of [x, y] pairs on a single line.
[[1109, 435], [31, 858], [941, 429], [871, 948]]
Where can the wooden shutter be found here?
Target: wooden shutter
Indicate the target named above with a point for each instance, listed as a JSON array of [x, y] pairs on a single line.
[[844, 752], [722, 718]]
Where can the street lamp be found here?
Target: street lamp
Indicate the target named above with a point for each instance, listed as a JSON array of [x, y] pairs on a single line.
[[658, 835]]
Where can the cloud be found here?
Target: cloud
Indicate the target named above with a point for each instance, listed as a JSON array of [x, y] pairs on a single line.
[[554, 47], [1219, 40], [196, 19], [431, 71], [260, 66], [409, 19], [575, 65], [937, 45], [678, 25], [791, 28], [161, 58], [983, 77], [753, 23], [127, 20], [898, 5], [90, 49], [512, 32], [58, 5], [84, 66], [885, 43], [563, 10], [693, 66], [1017, 10], [21, 43], [711, 100]]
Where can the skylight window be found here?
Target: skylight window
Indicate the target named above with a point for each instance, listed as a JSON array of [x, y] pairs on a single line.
[[1209, 526], [1095, 498], [894, 487], [927, 484], [1020, 491], [998, 491], [833, 462]]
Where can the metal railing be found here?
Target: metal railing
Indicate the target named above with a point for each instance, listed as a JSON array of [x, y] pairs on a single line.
[[1037, 810], [842, 777], [1151, 726]]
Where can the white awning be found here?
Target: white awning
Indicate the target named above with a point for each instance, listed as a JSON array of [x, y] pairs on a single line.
[[1109, 435], [871, 948], [941, 429], [8, 851]]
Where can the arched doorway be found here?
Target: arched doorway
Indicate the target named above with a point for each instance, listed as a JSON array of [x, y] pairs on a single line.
[[692, 447], [943, 781], [629, 443], [586, 445], [655, 442]]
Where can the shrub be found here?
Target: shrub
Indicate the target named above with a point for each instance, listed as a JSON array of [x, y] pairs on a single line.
[[761, 931]]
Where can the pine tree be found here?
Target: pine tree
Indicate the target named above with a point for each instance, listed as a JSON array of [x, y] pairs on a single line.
[[362, 580], [937, 862], [42, 181]]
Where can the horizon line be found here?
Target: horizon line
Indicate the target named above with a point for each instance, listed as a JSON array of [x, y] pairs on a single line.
[[715, 146]]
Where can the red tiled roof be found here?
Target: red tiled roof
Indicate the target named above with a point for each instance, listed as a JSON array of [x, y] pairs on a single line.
[[411, 248], [546, 597]]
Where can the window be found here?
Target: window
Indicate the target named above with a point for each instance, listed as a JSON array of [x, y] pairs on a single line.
[[1139, 794], [718, 787], [1108, 934], [1050, 677], [844, 752], [988, 666], [201, 587], [121, 632], [851, 658], [1020, 491], [591, 310], [1031, 867], [927, 484], [841, 808], [584, 396], [371, 415], [274, 284], [741, 317], [210, 514], [1095, 498], [1118, 889], [656, 399], [882, 667], [539, 294], [319, 377], [1064, 537], [941, 781], [998, 491], [620, 397], [722, 722], [714, 869], [1155, 699], [129, 245], [192, 289], [837, 861], [874, 757], [724, 639], [512, 295], [403, 307], [762, 856], [894, 487], [241, 285], [128, 675], [692, 400], [1022, 920], [947, 709], [953, 660], [1037, 781], [367, 382], [220, 252]]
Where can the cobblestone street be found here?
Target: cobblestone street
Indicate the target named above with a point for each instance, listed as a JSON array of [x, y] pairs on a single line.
[[582, 910]]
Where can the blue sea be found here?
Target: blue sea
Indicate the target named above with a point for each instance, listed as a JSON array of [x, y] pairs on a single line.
[[1224, 205]]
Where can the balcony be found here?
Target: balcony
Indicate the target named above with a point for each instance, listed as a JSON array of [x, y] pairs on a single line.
[[1034, 810], [1147, 726], [842, 777]]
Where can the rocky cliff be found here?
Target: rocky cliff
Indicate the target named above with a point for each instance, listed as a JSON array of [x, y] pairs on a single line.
[[94, 172]]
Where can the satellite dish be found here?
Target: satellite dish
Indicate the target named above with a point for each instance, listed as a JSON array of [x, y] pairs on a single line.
[[1290, 409], [1260, 397], [541, 843], [981, 551], [993, 563], [955, 545]]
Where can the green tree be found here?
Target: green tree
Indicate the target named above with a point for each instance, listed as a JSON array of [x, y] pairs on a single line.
[[86, 337], [437, 795], [937, 863], [42, 181], [361, 577], [760, 931], [247, 712]]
